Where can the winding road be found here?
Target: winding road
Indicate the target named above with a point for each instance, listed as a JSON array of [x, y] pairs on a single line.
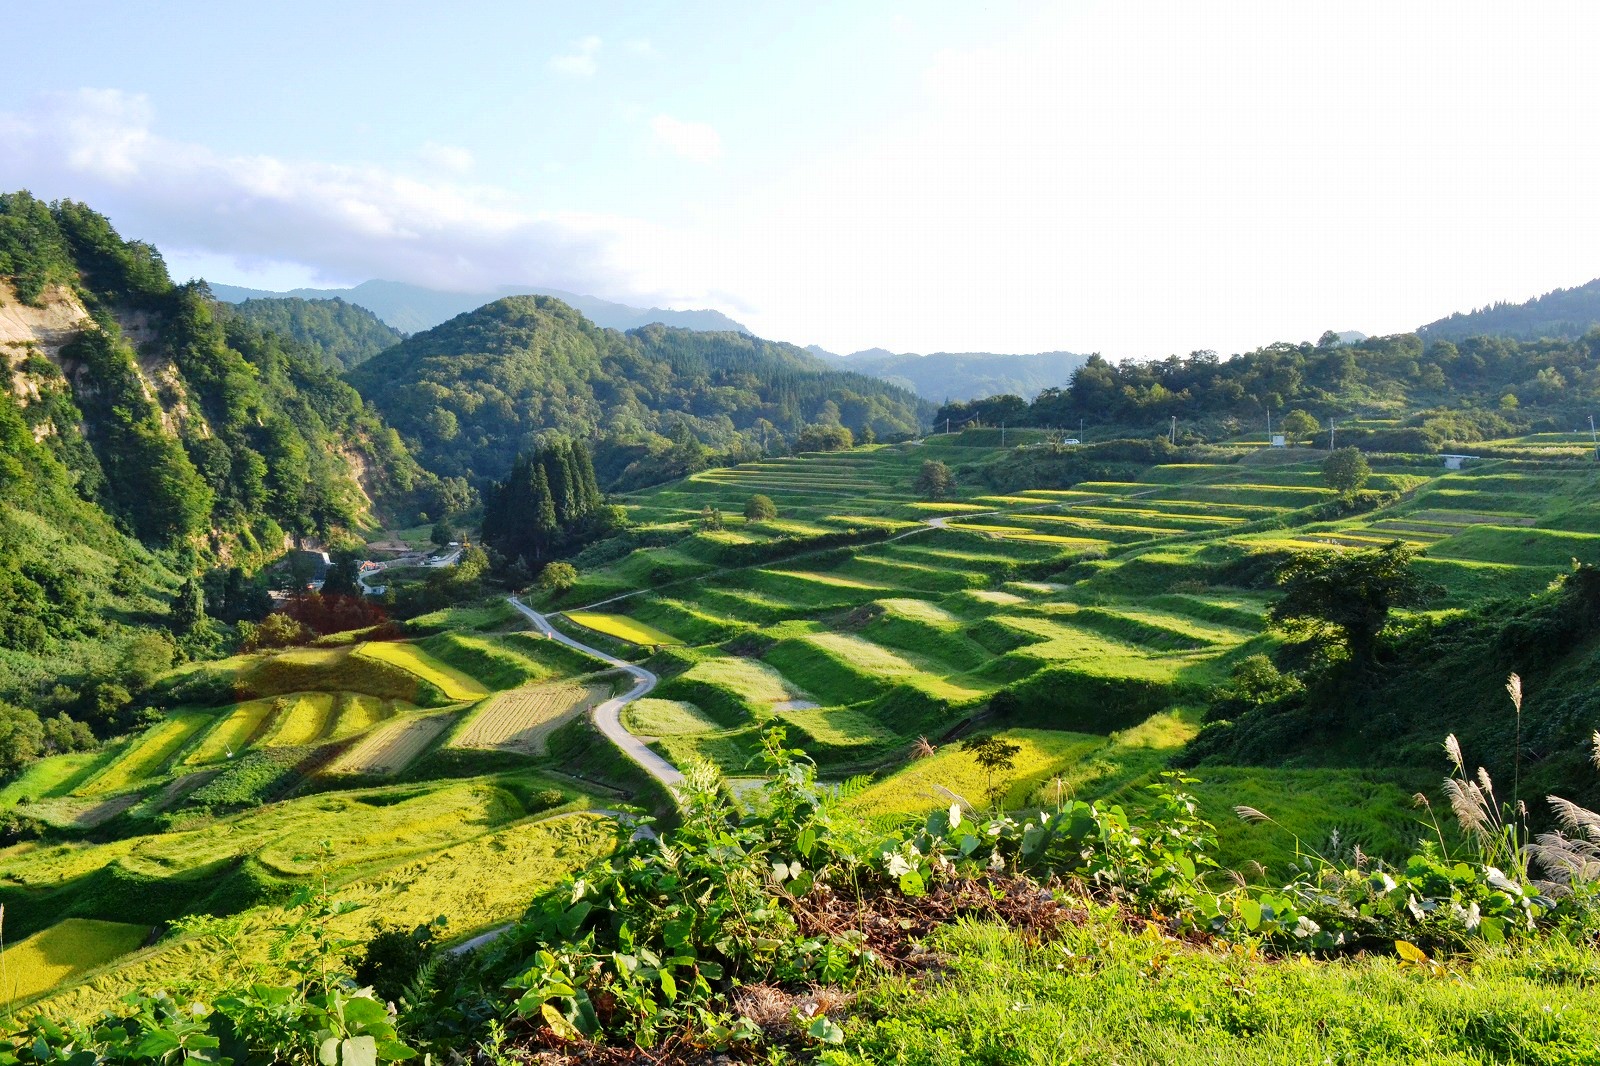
[[608, 716]]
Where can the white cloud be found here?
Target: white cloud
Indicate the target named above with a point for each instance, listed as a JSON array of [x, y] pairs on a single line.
[[447, 157], [697, 142], [582, 61], [346, 222], [639, 46]]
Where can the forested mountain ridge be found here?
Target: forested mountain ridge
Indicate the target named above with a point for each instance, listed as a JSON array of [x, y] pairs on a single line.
[[343, 334], [1431, 391], [472, 394], [1565, 314], [411, 308], [191, 429]]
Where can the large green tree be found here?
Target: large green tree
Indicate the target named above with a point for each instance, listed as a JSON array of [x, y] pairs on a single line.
[[1344, 599]]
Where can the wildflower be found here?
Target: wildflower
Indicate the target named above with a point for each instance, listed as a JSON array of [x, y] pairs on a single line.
[[897, 864], [996, 863]]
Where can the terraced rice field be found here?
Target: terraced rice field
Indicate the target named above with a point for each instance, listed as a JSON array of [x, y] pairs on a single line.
[[299, 721], [922, 785], [522, 720], [455, 684], [356, 714], [665, 718], [148, 754], [392, 747], [622, 627], [232, 733], [63, 951]]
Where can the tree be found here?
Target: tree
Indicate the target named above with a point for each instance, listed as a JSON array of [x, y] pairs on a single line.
[[340, 579], [558, 577], [1298, 425], [21, 737], [994, 754], [189, 609], [710, 518], [62, 734], [1345, 599], [934, 480], [1345, 470], [443, 533], [760, 508], [144, 658]]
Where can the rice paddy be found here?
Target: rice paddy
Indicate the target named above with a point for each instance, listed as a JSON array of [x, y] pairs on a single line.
[[455, 684], [66, 950], [393, 747], [522, 720], [622, 627]]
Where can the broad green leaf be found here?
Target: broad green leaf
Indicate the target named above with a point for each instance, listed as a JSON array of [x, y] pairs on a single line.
[[358, 1051], [558, 1023]]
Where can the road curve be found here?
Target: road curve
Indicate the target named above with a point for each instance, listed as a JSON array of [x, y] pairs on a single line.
[[608, 716]]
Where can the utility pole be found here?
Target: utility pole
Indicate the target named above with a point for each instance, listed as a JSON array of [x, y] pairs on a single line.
[[1173, 435], [1269, 425], [1080, 429], [1595, 440], [1002, 433], [947, 427], [1333, 427]]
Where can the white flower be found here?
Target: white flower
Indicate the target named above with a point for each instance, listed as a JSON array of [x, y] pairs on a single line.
[[898, 866], [996, 863], [955, 815]]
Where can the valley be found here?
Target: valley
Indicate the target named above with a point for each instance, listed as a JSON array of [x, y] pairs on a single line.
[[527, 652]]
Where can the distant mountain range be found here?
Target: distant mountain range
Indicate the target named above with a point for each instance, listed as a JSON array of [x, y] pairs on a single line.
[[1564, 314], [945, 376], [412, 308]]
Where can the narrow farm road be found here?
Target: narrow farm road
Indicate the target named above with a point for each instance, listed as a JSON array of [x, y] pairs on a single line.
[[608, 716]]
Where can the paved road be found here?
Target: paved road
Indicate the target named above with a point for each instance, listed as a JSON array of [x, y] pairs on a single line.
[[608, 716]]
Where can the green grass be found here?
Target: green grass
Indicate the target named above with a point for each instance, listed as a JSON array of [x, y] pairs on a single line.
[[1109, 991], [488, 660], [50, 777], [730, 689], [62, 952], [662, 718]]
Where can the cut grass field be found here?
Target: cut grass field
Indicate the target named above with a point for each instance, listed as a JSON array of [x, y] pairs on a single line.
[[412, 659], [393, 747], [64, 951], [623, 628], [522, 720]]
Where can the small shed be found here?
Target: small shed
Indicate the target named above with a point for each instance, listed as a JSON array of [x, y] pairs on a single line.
[[1278, 441], [1456, 462]]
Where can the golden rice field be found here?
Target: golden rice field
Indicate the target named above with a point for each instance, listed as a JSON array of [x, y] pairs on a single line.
[[408, 657], [391, 748], [474, 885], [148, 754], [63, 951], [358, 713], [232, 733], [622, 627], [522, 719], [299, 720]]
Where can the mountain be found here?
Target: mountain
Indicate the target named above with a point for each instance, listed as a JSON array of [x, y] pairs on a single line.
[[473, 393], [342, 334], [963, 375], [1564, 314], [411, 308], [190, 428]]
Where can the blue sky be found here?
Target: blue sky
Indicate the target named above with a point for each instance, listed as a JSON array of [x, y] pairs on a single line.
[[1134, 178]]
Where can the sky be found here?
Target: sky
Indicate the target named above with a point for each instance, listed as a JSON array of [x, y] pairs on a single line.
[[1131, 178]]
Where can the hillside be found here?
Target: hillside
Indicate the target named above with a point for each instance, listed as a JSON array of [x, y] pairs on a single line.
[[412, 308], [343, 335], [943, 376], [188, 427], [472, 393], [1565, 314], [1402, 394]]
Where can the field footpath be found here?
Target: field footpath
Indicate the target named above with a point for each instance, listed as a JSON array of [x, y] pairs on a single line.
[[608, 715]]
